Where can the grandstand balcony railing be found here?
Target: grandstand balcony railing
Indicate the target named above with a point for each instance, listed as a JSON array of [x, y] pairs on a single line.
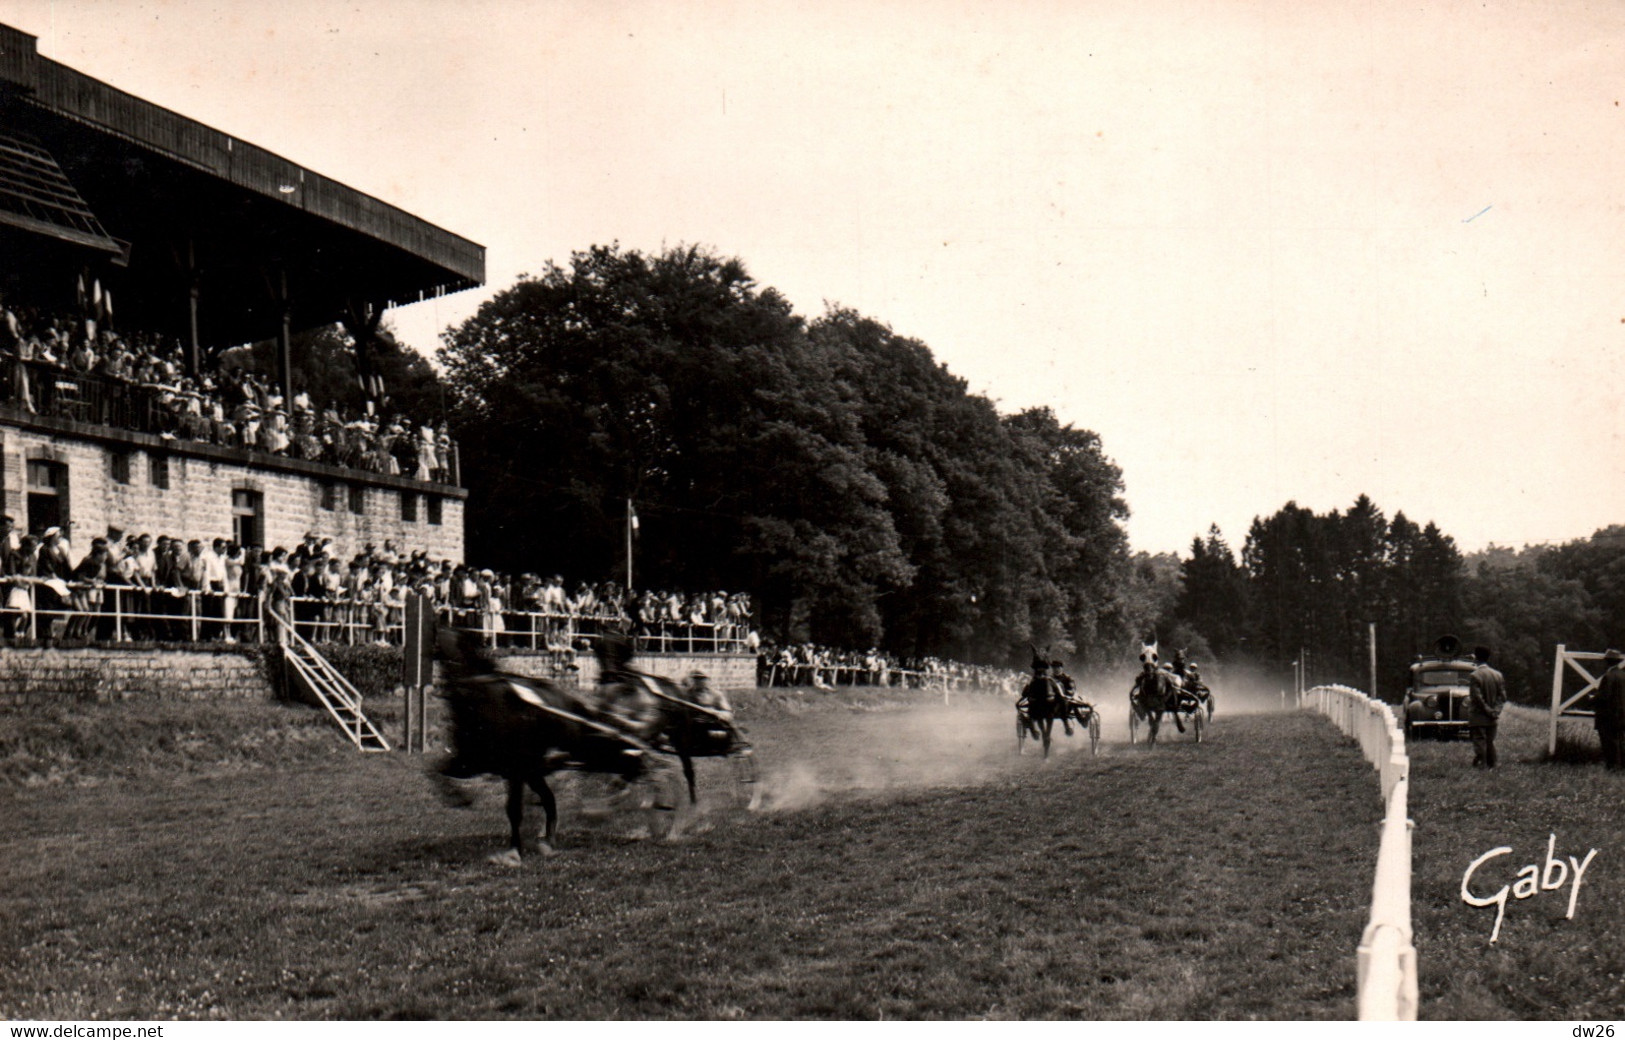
[[41, 609], [45, 389]]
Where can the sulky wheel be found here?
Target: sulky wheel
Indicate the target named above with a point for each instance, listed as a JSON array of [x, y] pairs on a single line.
[[1199, 723]]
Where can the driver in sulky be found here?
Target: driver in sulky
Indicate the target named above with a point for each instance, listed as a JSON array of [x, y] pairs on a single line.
[[1069, 690], [1194, 683]]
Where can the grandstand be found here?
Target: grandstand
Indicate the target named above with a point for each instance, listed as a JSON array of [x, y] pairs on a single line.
[[123, 221], [151, 479]]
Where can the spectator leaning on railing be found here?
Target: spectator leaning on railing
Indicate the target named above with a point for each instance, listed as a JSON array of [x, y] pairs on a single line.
[[147, 587]]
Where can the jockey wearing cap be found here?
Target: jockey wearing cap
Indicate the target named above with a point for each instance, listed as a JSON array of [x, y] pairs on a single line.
[[622, 698]]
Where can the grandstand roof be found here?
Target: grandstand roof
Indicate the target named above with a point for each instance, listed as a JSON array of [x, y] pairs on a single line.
[[92, 175]]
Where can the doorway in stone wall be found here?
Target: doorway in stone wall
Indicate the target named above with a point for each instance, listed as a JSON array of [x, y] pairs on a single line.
[[47, 495]]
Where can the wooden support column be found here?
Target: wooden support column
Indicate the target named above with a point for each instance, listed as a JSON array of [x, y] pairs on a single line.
[[284, 341], [194, 360]]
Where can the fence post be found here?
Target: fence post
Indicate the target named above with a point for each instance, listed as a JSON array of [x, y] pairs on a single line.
[[1557, 700]]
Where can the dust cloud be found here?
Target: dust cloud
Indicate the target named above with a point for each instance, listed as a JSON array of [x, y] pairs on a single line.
[[809, 759]]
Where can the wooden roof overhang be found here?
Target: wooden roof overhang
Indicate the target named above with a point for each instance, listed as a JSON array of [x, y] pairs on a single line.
[[174, 206]]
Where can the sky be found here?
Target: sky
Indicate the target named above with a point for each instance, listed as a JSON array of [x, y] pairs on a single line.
[[1269, 252]]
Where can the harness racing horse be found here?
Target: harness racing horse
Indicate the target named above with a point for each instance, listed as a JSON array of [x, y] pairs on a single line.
[[1042, 702], [1155, 691], [523, 730], [696, 722]]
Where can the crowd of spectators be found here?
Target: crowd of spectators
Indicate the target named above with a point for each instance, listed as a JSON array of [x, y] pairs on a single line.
[[165, 589], [75, 369], [141, 587], [822, 667]]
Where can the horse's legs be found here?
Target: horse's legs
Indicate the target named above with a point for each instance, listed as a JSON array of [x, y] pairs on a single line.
[[1153, 720], [1047, 725], [688, 774], [550, 811], [516, 817], [1179, 723]]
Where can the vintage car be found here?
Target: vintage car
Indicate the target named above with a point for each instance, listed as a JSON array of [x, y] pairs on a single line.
[[1436, 692]]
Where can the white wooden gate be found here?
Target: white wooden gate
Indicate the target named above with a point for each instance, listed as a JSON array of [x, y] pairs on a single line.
[[1564, 707]]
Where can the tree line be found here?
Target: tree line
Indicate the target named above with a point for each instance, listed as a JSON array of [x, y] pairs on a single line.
[[865, 497], [1312, 586]]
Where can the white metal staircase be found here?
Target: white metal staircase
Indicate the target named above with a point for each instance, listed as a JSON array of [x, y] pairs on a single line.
[[337, 694]]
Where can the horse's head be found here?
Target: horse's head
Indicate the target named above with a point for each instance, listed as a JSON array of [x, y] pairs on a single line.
[[1148, 655]]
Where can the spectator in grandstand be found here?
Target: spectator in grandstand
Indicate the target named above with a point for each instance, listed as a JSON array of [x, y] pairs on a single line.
[[90, 579], [21, 567], [233, 565]]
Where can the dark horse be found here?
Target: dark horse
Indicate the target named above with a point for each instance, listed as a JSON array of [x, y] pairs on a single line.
[[523, 729], [1037, 709], [696, 722]]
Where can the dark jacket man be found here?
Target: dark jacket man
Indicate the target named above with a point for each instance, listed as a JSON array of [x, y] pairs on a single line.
[[1609, 706], [1486, 696]]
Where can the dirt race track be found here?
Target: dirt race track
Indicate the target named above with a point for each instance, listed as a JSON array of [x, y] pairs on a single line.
[[907, 864]]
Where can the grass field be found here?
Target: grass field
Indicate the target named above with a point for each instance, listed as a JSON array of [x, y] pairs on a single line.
[[1543, 965], [239, 861], [908, 865]]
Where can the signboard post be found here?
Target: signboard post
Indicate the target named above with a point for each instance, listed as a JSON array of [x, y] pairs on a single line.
[[417, 669]]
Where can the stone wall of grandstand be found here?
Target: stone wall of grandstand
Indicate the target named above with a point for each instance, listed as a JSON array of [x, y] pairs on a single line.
[[97, 485]]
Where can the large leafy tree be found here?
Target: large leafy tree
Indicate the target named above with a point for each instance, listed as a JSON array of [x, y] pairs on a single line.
[[835, 470], [1085, 553], [1598, 565], [677, 384]]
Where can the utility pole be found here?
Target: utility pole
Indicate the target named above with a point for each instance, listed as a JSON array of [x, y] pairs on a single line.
[[631, 526], [1372, 630]]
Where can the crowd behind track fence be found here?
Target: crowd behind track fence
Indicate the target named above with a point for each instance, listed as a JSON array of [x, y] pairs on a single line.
[[125, 613], [1386, 973]]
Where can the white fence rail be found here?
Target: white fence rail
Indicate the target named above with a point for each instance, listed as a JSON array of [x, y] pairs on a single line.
[[1387, 987]]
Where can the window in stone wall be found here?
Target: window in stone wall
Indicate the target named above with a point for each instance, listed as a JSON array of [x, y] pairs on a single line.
[[330, 496], [158, 471], [358, 499], [119, 461], [409, 507], [47, 495], [248, 516], [433, 503]]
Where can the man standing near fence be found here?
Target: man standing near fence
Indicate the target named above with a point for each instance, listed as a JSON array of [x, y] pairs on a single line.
[[1486, 695], [1608, 710]]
